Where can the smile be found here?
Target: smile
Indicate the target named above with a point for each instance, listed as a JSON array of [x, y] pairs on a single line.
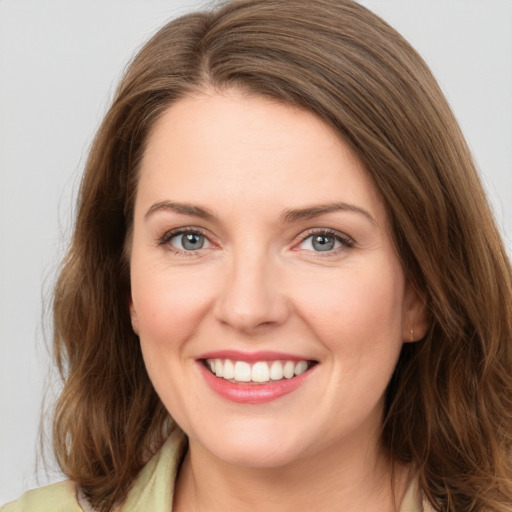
[[258, 372], [254, 378]]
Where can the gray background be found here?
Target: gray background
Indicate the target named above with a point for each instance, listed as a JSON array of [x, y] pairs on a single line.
[[59, 63]]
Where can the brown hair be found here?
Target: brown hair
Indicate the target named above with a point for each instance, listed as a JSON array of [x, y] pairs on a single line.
[[449, 404]]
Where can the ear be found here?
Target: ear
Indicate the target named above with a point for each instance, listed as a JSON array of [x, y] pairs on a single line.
[[415, 323], [134, 318]]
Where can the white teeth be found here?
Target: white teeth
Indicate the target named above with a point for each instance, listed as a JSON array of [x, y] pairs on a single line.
[[259, 372], [301, 367], [229, 370], [276, 370], [242, 371], [218, 367], [289, 369]]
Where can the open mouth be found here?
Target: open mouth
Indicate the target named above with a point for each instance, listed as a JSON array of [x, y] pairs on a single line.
[[258, 372]]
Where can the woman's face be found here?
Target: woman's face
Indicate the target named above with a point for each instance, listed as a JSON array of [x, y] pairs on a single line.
[[262, 253]]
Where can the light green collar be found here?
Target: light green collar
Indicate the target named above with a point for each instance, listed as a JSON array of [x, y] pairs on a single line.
[[154, 487]]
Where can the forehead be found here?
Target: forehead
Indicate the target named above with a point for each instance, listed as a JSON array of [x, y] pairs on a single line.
[[223, 146]]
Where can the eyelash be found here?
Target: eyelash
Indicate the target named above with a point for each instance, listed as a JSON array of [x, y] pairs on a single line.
[[169, 235], [345, 241]]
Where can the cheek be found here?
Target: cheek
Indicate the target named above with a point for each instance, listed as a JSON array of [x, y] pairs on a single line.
[[358, 310], [169, 308], [168, 304]]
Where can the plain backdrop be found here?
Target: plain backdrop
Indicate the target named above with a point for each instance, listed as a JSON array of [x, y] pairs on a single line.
[[59, 63]]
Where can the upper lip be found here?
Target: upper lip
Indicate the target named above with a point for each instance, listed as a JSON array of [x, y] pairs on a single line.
[[251, 357]]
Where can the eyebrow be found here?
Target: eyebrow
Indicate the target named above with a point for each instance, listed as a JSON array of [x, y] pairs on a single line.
[[183, 208], [288, 217], [311, 212]]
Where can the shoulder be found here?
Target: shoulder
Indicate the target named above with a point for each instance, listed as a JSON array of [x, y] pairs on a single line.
[[59, 497]]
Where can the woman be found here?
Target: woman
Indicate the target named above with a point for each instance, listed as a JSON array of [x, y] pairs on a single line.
[[285, 288]]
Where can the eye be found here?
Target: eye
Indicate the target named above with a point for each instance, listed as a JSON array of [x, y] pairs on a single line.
[[325, 241], [186, 241]]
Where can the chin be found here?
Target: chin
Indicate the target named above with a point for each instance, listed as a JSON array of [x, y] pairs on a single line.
[[253, 449], [256, 456]]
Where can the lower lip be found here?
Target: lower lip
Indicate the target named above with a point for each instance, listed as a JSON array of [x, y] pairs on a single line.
[[252, 393]]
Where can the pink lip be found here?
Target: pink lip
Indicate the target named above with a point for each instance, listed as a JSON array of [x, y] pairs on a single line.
[[252, 357], [252, 393]]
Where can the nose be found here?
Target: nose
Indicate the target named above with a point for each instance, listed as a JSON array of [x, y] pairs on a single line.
[[252, 298]]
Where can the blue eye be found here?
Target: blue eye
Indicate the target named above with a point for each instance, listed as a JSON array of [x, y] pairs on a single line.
[[189, 241], [325, 242]]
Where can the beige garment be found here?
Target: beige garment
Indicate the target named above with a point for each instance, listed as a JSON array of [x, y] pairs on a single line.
[[153, 489]]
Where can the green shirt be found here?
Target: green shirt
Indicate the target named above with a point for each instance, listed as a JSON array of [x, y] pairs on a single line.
[[152, 491]]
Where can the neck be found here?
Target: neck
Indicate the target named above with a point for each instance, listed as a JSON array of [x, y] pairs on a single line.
[[348, 480]]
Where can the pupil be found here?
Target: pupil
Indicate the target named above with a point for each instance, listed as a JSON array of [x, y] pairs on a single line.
[[323, 243], [192, 241]]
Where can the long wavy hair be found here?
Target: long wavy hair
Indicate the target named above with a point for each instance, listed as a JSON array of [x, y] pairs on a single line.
[[449, 404]]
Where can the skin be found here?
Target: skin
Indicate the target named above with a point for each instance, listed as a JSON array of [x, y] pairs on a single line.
[[258, 283]]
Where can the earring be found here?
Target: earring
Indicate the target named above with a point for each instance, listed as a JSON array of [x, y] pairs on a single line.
[[412, 335]]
